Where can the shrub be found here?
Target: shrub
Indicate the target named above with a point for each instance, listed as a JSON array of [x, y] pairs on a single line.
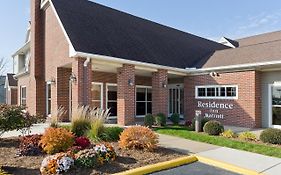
[[138, 137], [213, 127], [203, 122], [175, 118], [149, 120], [160, 119], [29, 146], [57, 164], [82, 142], [16, 118], [55, 140], [248, 136], [111, 134], [98, 155], [271, 135], [228, 134]]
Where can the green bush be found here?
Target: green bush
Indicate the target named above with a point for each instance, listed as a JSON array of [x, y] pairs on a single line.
[[228, 134], [271, 135], [203, 122], [16, 118], [111, 134], [97, 128], [248, 136], [175, 118], [149, 120], [213, 127], [160, 119]]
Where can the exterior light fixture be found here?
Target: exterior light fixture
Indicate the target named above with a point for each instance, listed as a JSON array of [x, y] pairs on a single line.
[[164, 84], [53, 80], [72, 77], [214, 74], [130, 82]]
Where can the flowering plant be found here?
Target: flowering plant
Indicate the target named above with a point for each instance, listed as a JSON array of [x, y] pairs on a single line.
[[57, 164], [98, 155], [82, 142]]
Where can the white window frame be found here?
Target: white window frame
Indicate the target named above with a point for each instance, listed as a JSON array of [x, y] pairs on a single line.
[[270, 124], [21, 99], [101, 100], [144, 87], [110, 84], [216, 97], [48, 113]]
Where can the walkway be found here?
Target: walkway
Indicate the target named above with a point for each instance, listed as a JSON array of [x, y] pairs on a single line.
[[256, 162]]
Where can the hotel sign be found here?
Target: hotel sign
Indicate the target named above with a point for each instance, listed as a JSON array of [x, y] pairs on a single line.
[[214, 109]]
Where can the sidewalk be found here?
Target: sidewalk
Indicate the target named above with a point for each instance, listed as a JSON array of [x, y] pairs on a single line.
[[252, 161]]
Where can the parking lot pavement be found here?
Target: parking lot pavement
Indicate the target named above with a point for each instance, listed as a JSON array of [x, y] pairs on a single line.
[[195, 168]]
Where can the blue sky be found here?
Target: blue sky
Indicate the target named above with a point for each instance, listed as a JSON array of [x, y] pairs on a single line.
[[209, 19]]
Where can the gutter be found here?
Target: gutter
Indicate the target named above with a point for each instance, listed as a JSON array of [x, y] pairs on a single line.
[[186, 71]]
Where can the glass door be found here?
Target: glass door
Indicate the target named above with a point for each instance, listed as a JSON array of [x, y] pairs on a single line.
[[275, 106], [176, 98]]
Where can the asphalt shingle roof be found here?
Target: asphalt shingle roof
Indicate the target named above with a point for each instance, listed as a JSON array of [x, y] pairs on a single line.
[[94, 28]]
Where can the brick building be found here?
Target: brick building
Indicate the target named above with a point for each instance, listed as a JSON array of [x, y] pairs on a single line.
[[78, 52]]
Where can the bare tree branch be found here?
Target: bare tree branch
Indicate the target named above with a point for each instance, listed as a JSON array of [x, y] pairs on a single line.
[[3, 64]]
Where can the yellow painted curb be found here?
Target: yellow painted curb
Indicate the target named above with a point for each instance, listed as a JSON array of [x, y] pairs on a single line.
[[160, 166], [226, 166]]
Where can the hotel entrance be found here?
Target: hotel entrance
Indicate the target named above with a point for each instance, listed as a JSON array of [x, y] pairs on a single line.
[[275, 105], [176, 97]]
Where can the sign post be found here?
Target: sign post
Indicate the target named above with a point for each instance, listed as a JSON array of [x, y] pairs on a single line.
[[198, 118]]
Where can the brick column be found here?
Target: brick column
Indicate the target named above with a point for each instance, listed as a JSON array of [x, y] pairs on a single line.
[[81, 89], [160, 94], [126, 103]]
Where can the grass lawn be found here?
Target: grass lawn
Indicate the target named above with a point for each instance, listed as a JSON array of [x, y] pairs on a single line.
[[182, 132]]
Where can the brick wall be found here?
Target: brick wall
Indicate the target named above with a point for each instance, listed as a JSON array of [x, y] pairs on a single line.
[[126, 95], [12, 96], [160, 94], [247, 108]]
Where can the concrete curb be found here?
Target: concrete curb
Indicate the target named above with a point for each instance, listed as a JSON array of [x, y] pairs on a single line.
[[226, 166], [160, 166]]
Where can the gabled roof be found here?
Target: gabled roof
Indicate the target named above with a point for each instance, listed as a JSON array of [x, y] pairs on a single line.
[[232, 42], [96, 29], [11, 81], [255, 49]]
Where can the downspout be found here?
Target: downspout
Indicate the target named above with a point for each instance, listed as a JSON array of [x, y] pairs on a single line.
[[85, 80]]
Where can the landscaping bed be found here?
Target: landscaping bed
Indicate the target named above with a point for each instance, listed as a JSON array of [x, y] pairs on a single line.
[[126, 159]]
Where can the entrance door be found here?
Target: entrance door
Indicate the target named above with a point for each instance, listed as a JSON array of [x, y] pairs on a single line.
[[176, 98], [275, 105]]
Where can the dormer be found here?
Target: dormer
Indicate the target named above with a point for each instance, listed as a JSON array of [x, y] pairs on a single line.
[[228, 42], [44, 4]]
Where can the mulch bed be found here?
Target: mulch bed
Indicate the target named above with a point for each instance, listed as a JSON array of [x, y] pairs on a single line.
[[127, 159]]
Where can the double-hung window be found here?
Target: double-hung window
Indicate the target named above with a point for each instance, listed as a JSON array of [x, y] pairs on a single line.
[[143, 100], [111, 98], [97, 94], [23, 95], [216, 92]]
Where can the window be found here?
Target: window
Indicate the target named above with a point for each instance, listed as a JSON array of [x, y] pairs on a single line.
[[143, 100], [217, 92], [111, 98], [23, 96], [48, 98], [97, 92]]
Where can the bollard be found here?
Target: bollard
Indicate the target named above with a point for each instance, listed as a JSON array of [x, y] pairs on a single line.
[[198, 119]]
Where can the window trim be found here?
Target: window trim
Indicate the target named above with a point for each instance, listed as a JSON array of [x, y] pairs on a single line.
[[101, 100], [144, 87], [106, 100], [216, 97], [48, 83], [21, 99]]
